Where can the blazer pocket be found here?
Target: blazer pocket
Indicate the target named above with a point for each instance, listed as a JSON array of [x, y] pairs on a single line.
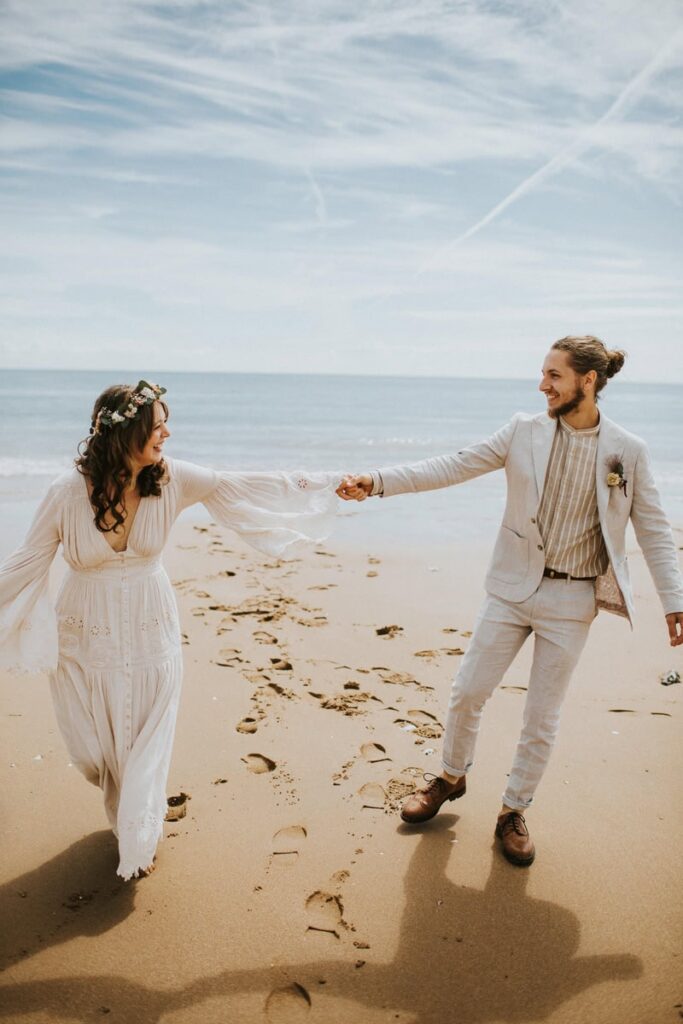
[[510, 561]]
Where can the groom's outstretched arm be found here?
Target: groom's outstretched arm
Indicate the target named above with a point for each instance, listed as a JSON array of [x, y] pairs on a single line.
[[440, 471]]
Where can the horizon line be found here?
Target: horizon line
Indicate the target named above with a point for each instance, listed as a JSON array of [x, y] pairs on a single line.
[[311, 373]]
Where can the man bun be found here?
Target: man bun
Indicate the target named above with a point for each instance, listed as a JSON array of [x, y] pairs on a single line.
[[615, 361]]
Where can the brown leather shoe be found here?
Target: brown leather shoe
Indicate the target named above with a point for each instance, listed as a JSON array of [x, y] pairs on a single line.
[[424, 803], [517, 845]]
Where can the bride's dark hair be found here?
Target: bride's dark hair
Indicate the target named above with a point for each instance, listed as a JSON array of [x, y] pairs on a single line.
[[105, 457]]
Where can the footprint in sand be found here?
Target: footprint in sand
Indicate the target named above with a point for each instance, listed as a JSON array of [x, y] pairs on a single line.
[[389, 631], [177, 807], [423, 723], [287, 844], [247, 725], [280, 665], [374, 752], [313, 620], [397, 791], [400, 678], [228, 657], [404, 724], [515, 689], [449, 651], [422, 717], [259, 764], [325, 913], [373, 796], [261, 637], [288, 1005]]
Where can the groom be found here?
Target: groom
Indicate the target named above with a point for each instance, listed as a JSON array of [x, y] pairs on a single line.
[[574, 479]]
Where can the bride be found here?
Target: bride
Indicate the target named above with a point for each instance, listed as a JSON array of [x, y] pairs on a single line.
[[112, 649]]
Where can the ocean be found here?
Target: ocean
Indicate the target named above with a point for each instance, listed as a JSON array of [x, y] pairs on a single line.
[[264, 421]]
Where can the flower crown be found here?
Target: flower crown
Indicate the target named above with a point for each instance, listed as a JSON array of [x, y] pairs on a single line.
[[144, 393]]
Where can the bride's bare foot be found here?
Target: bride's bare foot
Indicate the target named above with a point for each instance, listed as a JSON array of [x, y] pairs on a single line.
[[145, 872]]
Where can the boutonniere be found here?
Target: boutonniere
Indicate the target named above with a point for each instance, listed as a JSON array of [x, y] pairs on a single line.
[[615, 476]]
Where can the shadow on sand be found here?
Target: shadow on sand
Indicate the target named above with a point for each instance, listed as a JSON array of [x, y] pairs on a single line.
[[75, 893], [463, 955]]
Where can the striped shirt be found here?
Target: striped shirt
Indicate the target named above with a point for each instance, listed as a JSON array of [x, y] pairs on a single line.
[[568, 514]]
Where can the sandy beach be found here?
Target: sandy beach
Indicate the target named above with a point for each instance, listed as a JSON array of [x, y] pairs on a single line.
[[290, 891]]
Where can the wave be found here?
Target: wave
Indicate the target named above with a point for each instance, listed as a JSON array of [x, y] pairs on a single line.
[[399, 442]]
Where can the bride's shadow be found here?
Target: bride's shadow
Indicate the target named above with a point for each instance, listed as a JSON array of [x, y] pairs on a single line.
[[75, 893], [464, 954]]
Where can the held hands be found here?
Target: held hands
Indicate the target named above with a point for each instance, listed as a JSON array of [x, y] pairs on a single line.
[[675, 623], [355, 487]]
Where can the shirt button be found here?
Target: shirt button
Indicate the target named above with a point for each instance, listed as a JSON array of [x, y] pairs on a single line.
[[540, 547], [533, 520]]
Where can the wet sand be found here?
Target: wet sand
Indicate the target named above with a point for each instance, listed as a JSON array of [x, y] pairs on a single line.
[[290, 891]]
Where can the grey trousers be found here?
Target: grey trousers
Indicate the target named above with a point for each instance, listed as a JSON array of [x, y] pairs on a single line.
[[559, 614]]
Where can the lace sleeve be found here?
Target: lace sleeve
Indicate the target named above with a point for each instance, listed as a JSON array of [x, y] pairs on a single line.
[[28, 626], [276, 513]]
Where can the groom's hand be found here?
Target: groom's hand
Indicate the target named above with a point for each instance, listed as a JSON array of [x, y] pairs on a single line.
[[355, 487], [675, 623]]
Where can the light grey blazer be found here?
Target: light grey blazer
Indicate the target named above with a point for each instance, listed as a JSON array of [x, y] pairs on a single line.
[[522, 448]]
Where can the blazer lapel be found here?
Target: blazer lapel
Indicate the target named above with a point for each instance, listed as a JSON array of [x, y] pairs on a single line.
[[610, 448], [542, 436]]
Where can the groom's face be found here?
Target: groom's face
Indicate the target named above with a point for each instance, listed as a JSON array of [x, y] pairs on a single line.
[[560, 384]]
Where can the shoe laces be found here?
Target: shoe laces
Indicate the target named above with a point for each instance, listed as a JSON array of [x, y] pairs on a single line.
[[514, 822], [433, 782]]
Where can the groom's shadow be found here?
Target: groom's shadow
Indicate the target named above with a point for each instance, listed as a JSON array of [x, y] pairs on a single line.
[[477, 955], [75, 893], [464, 954]]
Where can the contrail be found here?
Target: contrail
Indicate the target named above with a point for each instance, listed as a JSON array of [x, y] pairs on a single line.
[[628, 95]]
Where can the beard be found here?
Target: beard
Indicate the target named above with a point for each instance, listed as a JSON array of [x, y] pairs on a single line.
[[569, 406]]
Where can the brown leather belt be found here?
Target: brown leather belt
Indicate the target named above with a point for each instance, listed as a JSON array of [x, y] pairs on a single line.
[[553, 574]]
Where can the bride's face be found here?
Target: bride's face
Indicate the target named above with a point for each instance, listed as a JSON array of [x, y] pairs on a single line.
[[153, 450]]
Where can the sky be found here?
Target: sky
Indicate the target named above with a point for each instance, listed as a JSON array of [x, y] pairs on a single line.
[[340, 186]]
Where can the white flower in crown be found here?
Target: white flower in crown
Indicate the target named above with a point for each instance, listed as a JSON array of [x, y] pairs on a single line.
[[148, 394], [116, 417], [139, 400], [131, 411]]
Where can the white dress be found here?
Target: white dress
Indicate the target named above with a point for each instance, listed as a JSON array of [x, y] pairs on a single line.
[[112, 645]]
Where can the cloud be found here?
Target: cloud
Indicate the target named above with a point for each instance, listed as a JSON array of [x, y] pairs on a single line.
[[339, 85], [591, 136], [274, 175]]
